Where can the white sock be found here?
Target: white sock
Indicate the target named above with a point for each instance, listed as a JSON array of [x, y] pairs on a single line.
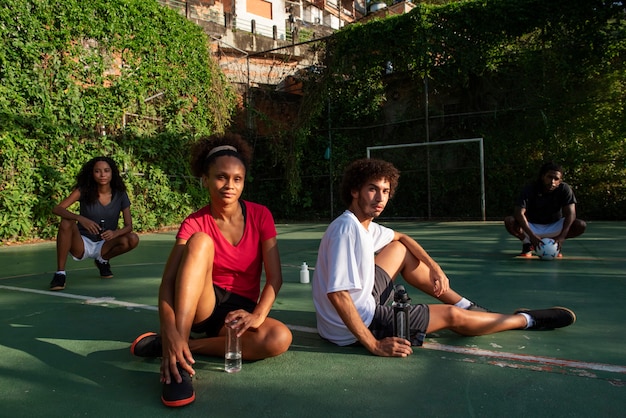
[[102, 260], [530, 321], [61, 272], [463, 303]]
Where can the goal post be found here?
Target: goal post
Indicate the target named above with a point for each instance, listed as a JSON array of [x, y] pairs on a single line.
[[442, 157]]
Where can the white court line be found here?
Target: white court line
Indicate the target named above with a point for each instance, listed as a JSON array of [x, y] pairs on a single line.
[[542, 360], [21, 276], [88, 299], [527, 358]]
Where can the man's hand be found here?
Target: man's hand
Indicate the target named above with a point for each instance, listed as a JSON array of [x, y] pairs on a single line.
[[439, 280], [535, 240], [392, 347], [441, 283], [559, 241]]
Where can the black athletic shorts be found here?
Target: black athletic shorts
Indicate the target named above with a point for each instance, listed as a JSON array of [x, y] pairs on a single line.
[[225, 302], [382, 324]]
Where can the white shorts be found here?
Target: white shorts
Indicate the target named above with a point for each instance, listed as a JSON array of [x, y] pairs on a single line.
[[92, 249], [546, 230]]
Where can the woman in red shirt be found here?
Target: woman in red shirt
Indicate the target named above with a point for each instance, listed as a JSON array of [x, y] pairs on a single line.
[[213, 275]]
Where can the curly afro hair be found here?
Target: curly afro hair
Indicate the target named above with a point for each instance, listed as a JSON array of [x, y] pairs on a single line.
[[360, 172]]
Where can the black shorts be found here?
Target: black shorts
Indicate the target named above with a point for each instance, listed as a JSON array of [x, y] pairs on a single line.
[[225, 302], [382, 324]]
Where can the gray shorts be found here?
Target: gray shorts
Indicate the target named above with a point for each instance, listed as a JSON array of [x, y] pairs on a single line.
[[382, 324]]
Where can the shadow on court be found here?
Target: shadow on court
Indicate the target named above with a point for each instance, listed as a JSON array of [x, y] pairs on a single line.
[[67, 353]]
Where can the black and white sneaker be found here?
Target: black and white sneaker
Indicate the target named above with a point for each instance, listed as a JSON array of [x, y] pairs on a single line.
[[178, 394], [58, 282], [105, 269], [551, 318], [477, 308]]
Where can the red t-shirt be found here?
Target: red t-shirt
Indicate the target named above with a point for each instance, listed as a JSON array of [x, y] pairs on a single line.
[[236, 268]]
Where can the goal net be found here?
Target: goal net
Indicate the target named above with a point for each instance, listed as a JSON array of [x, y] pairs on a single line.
[[439, 180]]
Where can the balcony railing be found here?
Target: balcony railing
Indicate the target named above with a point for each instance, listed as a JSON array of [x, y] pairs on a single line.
[[201, 13]]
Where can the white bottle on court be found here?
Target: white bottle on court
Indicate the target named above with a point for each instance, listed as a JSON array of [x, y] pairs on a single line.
[[304, 273]]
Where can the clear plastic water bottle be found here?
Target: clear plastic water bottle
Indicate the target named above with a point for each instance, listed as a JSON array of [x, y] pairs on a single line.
[[401, 313], [232, 358], [304, 273]]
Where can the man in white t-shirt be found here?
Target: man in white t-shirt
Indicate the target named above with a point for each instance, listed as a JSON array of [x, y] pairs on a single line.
[[358, 260]]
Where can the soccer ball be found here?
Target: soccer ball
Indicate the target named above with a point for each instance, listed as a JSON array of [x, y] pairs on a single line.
[[548, 249]]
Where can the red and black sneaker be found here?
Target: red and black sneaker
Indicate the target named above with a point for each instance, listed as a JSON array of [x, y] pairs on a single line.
[[527, 250], [178, 394], [147, 345]]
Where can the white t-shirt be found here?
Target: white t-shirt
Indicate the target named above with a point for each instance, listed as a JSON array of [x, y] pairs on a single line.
[[345, 261]]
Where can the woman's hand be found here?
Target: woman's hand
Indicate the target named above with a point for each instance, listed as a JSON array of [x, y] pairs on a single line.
[[108, 234], [175, 350], [242, 320], [91, 226]]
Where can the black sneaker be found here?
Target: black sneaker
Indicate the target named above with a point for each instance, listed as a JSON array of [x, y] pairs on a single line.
[[58, 282], [527, 250], [545, 319], [147, 345], [178, 394], [105, 269], [477, 308]]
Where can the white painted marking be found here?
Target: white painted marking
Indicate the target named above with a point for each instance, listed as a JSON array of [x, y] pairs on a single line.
[[526, 358], [108, 300], [542, 360]]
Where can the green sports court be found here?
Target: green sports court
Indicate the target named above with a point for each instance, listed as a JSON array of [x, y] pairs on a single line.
[[66, 354]]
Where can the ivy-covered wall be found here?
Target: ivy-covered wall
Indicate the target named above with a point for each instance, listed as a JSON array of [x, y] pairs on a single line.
[[124, 78], [537, 80], [135, 81]]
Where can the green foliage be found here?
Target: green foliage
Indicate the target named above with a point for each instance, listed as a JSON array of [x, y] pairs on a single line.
[[124, 78], [537, 80]]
